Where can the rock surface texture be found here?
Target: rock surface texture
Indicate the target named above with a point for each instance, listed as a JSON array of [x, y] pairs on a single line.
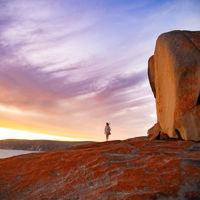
[[134, 169], [174, 75]]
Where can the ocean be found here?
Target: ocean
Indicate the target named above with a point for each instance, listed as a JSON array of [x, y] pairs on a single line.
[[6, 153]]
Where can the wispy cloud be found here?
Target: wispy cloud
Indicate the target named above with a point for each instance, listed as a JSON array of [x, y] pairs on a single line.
[[69, 66]]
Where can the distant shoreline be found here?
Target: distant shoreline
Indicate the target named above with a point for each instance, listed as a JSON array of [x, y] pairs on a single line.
[[7, 153], [38, 145]]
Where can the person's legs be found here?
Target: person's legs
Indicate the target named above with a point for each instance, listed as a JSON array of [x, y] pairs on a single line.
[[106, 137]]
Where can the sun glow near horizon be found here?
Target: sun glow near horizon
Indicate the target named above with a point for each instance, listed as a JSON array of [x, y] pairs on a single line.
[[6, 133]]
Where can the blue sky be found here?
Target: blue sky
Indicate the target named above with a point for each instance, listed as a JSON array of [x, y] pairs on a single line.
[[69, 66]]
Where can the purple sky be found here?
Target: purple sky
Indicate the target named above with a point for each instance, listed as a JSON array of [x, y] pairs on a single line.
[[69, 66]]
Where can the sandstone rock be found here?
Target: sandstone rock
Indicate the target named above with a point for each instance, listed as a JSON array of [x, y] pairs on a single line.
[[163, 136], [151, 74], [195, 147], [154, 132], [174, 75], [136, 169]]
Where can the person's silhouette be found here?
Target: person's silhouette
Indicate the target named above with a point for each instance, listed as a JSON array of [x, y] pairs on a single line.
[[107, 131]]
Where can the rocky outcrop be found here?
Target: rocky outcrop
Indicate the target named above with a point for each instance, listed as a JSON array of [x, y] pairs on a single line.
[[154, 132], [174, 75], [136, 169]]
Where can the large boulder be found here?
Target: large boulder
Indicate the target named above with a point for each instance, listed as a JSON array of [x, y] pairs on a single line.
[[174, 75]]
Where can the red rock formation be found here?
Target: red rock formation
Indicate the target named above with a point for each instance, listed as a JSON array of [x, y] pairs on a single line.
[[135, 169], [154, 131], [174, 75]]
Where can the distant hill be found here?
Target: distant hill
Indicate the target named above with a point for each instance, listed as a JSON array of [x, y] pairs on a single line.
[[38, 145]]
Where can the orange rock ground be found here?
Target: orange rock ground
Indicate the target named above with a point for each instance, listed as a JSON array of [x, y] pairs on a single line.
[[135, 169]]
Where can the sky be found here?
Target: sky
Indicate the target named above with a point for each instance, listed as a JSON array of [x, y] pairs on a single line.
[[69, 66]]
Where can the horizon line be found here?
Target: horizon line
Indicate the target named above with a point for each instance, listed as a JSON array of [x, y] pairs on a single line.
[[29, 135]]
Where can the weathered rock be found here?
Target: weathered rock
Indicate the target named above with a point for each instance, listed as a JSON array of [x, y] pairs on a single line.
[[154, 132], [195, 147], [174, 75], [151, 75], [163, 136], [136, 169]]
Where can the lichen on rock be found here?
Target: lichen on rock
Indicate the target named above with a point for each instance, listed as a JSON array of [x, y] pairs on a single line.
[[136, 169], [174, 75]]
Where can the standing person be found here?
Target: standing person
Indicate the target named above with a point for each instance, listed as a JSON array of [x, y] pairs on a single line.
[[107, 131]]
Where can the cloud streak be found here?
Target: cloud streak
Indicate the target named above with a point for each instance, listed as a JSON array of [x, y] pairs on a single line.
[[69, 66]]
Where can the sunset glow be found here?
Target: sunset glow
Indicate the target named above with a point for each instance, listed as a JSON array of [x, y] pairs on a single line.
[[17, 134]]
